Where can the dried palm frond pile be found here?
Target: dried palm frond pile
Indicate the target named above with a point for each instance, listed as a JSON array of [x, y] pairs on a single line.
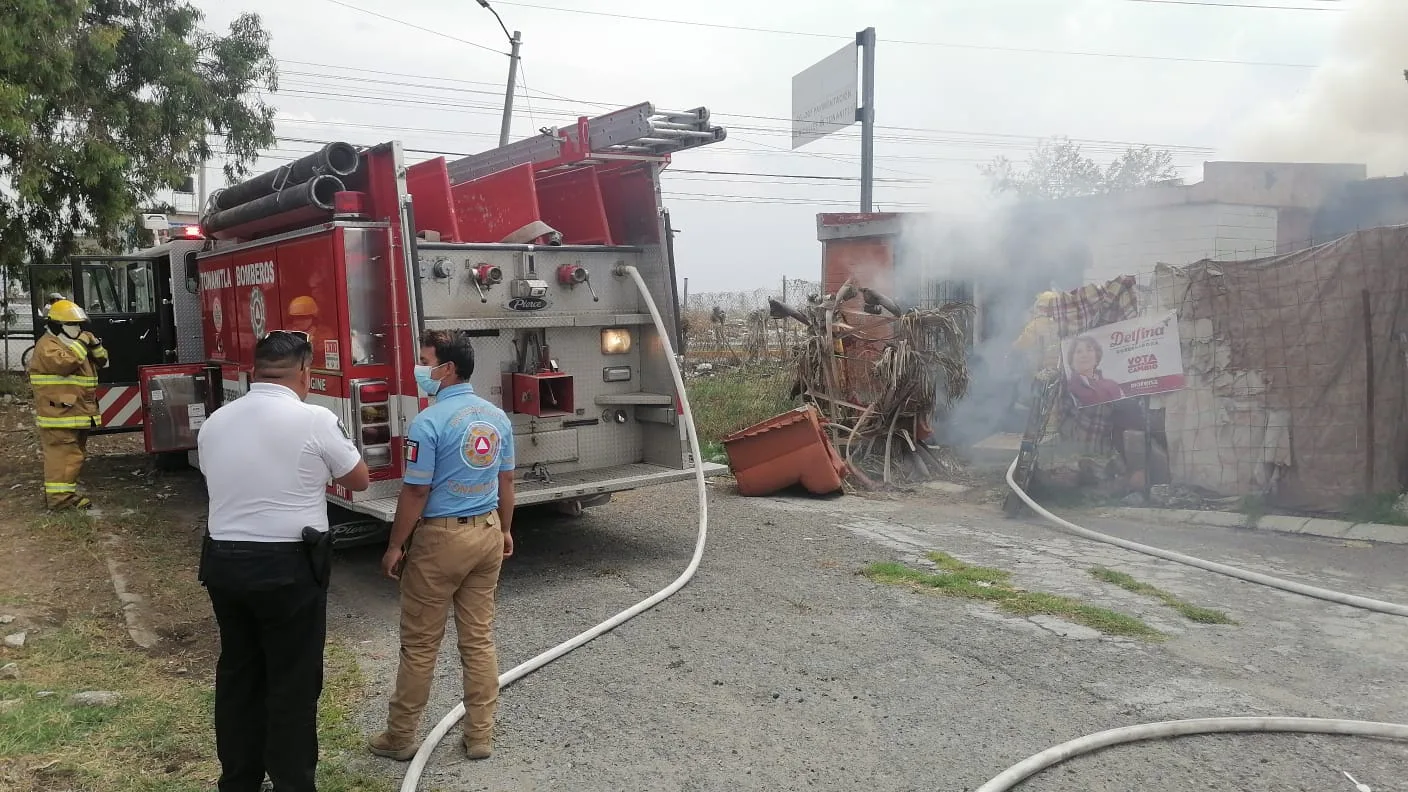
[[880, 382]]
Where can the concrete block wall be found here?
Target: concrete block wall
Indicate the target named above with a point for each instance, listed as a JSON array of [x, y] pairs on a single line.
[[1134, 242], [1244, 232]]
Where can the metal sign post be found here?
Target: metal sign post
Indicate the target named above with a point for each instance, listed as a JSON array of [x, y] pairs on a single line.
[[866, 116], [826, 98]]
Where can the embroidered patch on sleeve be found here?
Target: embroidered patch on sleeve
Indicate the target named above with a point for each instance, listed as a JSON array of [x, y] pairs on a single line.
[[412, 450]]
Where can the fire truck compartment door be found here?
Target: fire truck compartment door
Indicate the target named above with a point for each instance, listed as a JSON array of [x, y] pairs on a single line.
[[544, 448], [176, 400]]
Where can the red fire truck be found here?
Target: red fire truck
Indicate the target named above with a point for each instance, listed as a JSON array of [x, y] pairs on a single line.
[[520, 247]]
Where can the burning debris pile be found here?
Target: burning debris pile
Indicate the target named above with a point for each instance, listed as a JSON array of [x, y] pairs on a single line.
[[878, 376]]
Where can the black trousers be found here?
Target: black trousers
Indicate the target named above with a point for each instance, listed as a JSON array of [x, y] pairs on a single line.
[[272, 615]]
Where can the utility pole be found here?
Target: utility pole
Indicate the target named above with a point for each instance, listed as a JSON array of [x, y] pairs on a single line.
[[514, 41], [866, 39]]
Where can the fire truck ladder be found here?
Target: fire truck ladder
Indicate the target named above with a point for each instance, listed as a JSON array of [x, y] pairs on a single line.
[[639, 132]]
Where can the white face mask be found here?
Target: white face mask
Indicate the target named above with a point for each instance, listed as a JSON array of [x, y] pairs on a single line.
[[72, 331]]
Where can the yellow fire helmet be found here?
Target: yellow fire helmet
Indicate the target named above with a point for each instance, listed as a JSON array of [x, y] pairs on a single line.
[[1045, 302], [67, 312]]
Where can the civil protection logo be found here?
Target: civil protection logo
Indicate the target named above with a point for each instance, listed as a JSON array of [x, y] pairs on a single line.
[[481, 445], [256, 313]]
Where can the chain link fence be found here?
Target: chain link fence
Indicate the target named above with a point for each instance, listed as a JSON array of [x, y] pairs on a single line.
[[734, 328], [16, 325]]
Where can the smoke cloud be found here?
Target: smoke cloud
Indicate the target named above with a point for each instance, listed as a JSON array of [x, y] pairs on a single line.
[[989, 250], [1355, 107]]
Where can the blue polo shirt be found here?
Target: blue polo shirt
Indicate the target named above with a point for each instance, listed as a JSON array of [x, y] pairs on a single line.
[[458, 446]]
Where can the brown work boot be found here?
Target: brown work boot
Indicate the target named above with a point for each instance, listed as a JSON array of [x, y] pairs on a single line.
[[479, 748], [388, 746]]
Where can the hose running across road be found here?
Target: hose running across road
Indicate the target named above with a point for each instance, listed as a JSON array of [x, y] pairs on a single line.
[[1054, 755], [418, 762]]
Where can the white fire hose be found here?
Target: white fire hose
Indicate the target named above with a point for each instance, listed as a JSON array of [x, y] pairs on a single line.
[[1032, 765], [418, 762]]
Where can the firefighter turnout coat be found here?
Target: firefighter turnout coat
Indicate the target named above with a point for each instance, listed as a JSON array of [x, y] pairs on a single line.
[[63, 373]]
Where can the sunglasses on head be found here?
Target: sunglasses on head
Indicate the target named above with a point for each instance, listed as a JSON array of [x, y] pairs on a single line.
[[298, 334]]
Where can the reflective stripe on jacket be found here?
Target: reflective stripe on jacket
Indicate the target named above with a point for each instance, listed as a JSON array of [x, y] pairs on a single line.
[[64, 376]]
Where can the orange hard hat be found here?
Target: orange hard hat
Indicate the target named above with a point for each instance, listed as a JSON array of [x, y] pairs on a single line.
[[303, 306]]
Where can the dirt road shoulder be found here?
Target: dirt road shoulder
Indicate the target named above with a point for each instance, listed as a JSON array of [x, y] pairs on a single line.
[[82, 706]]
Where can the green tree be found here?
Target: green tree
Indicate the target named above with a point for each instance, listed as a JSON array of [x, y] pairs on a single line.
[[104, 102], [1058, 168]]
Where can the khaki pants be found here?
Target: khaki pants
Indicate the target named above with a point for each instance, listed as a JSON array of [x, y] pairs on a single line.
[[64, 450], [449, 563]]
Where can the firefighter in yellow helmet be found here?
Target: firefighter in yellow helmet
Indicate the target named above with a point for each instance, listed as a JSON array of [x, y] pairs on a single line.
[[63, 372], [1038, 350]]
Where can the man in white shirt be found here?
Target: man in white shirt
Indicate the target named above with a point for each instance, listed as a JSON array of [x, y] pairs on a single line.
[[267, 458]]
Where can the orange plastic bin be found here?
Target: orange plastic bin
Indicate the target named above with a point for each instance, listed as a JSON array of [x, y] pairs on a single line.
[[782, 451]]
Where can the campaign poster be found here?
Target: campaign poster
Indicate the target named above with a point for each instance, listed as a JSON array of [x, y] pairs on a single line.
[[1136, 357]]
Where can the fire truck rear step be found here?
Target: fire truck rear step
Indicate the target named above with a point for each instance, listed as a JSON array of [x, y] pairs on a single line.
[[566, 486]]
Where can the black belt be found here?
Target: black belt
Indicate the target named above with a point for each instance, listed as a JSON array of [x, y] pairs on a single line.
[[461, 519], [268, 547]]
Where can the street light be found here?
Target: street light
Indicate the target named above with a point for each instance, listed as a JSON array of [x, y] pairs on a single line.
[[514, 40]]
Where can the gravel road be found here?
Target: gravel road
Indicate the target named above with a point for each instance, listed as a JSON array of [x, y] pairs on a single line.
[[781, 668]]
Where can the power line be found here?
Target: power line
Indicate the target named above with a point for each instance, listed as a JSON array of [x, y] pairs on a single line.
[[917, 178], [844, 159], [773, 130], [578, 102], [943, 44], [973, 139], [431, 31], [793, 176], [1207, 4]]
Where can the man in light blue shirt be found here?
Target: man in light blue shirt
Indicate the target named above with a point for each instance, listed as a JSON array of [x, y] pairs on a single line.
[[450, 536]]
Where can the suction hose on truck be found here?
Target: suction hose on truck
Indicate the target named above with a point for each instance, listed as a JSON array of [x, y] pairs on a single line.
[[418, 762], [1034, 764]]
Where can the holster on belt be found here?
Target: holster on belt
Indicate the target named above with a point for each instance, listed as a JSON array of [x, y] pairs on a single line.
[[204, 568], [318, 544]]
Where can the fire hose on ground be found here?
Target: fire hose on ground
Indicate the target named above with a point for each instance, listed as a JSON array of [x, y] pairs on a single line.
[[1054, 755], [1032, 765], [418, 762]]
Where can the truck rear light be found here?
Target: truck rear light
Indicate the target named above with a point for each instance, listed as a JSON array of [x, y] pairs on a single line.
[[615, 341], [616, 374], [376, 435], [371, 399], [373, 392]]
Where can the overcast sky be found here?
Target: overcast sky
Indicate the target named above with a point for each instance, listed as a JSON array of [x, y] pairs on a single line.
[[966, 79]]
